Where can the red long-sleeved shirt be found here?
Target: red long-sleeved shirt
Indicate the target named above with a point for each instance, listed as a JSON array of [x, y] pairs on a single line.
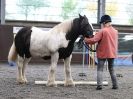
[[107, 39]]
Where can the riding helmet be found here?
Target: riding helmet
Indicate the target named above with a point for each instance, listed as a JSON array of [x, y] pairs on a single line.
[[105, 19]]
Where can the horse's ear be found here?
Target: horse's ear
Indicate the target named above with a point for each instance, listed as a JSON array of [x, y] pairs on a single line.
[[85, 16], [80, 16]]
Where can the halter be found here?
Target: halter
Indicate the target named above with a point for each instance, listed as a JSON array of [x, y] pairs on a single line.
[[81, 43]]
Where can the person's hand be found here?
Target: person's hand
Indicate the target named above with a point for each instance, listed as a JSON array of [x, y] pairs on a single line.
[[91, 36], [85, 39]]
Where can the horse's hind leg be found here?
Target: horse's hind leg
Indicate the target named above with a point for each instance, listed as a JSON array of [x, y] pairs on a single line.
[[67, 68], [21, 68], [51, 76], [26, 61], [20, 62]]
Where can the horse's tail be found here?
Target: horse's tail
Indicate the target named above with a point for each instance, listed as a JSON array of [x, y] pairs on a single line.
[[12, 56]]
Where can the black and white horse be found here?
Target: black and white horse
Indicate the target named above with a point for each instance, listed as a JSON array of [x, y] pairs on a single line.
[[54, 44]]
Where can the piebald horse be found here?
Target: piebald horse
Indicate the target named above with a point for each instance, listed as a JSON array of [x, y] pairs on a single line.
[[55, 44]]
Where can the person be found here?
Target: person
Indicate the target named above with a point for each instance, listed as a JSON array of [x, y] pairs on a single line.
[[107, 46]]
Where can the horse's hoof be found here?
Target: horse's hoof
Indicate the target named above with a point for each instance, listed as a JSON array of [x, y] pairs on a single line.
[[22, 81], [69, 83], [51, 84], [25, 80]]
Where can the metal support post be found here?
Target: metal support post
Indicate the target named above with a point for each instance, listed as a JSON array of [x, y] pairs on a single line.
[[101, 9], [2, 11]]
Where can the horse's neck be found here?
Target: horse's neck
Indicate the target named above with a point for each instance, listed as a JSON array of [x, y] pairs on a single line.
[[70, 27], [73, 33], [63, 27]]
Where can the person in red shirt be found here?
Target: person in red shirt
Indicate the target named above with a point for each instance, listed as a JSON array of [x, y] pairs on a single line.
[[107, 39]]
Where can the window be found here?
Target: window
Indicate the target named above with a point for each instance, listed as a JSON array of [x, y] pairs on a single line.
[[121, 11], [125, 43], [50, 10]]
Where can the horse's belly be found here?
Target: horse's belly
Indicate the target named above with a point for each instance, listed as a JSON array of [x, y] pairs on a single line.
[[39, 52]]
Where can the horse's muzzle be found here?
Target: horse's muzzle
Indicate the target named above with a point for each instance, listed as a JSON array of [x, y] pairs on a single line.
[[89, 34]]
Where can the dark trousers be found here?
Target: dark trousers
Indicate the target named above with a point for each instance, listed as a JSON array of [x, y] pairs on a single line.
[[100, 68]]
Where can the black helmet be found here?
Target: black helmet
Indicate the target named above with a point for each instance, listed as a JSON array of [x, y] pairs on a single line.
[[105, 18]]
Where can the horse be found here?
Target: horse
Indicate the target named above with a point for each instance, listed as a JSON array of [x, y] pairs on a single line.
[[55, 44]]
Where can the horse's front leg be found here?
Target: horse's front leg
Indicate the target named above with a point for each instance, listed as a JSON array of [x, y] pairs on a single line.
[[67, 68], [51, 76]]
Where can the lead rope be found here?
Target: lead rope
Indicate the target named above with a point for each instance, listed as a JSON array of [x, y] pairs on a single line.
[[82, 44]]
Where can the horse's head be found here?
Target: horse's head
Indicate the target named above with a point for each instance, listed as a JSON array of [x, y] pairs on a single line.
[[86, 28]]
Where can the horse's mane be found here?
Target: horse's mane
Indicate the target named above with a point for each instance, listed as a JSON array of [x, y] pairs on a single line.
[[63, 27]]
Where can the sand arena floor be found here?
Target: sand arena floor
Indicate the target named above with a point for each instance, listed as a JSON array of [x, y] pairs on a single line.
[[10, 89]]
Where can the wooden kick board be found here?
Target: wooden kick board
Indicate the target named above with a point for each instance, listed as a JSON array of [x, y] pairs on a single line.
[[105, 83]]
